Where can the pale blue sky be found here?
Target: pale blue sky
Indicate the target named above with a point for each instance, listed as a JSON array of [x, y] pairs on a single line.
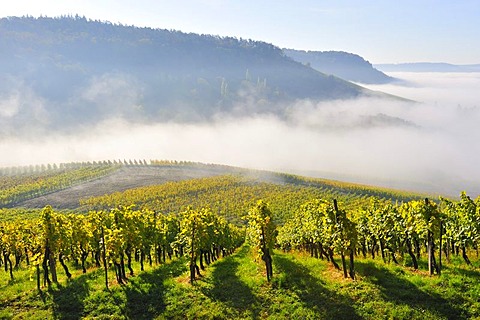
[[382, 31]]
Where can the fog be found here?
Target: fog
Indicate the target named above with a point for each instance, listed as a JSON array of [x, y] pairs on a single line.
[[431, 145]]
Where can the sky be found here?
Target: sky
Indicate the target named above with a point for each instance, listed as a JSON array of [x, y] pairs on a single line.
[[381, 31]]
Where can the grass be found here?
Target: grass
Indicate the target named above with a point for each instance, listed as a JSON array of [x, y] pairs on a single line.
[[235, 287]]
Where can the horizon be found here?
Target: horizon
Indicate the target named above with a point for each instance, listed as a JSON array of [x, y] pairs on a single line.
[[383, 32], [119, 23]]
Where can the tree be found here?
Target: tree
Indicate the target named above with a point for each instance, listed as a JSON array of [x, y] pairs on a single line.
[[50, 245], [462, 225], [344, 237], [191, 233], [261, 232]]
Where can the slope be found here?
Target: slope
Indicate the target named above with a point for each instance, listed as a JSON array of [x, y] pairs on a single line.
[[63, 73], [122, 187], [127, 177], [344, 65]]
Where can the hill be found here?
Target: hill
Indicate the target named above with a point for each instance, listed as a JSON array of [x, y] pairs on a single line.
[[344, 65], [124, 178], [115, 183], [427, 67], [128, 257], [69, 72]]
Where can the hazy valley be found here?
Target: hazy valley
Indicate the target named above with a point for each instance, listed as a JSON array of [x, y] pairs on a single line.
[[88, 90]]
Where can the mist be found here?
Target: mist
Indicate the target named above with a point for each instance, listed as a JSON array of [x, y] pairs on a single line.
[[430, 145]]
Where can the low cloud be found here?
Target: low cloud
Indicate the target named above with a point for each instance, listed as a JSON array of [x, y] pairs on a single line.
[[9, 105], [21, 109], [113, 93], [429, 146]]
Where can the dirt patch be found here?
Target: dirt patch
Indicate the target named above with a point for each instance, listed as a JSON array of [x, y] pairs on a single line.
[[123, 179]]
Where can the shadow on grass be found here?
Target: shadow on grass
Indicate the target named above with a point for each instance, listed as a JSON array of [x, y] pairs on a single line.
[[145, 293], [312, 292], [402, 291], [68, 300], [143, 299], [229, 289], [464, 270]]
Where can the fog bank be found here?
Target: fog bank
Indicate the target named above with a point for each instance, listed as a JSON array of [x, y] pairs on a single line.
[[428, 146]]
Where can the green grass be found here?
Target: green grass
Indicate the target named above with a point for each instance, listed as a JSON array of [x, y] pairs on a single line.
[[235, 287]]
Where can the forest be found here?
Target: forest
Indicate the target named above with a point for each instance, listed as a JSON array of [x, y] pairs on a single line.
[[81, 71]]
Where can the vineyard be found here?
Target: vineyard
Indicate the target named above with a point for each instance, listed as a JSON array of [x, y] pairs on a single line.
[[20, 184], [234, 243]]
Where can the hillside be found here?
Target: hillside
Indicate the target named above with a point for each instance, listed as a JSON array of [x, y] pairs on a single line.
[[128, 255], [344, 65], [118, 181], [126, 177], [69, 72]]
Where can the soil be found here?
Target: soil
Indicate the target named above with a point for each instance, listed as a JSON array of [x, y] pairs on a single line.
[[127, 177]]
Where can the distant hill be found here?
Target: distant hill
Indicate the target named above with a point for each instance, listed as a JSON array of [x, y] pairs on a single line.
[[71, 71], [128, 176], [344, 65], [428, 67]]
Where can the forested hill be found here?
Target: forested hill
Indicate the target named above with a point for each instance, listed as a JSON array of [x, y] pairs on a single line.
[[71, 70], [345, 65]]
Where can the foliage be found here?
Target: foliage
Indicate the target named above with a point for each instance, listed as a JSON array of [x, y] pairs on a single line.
[[126, 239], [17, 187]]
